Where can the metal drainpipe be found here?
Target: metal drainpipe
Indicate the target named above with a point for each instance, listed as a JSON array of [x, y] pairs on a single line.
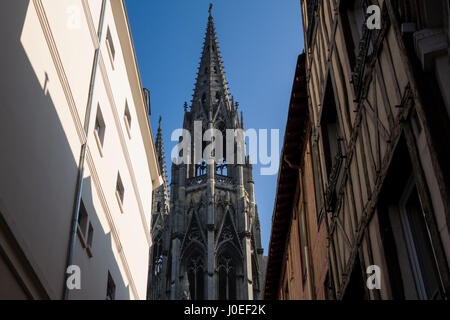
[[79, 185]]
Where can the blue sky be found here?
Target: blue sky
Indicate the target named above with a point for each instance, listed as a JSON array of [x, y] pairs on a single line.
[[259, 40]]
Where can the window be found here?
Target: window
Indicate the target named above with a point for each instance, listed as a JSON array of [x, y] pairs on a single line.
[[215, 70], [311, 9], [110, 45], [127, 114], [332, 147], [317, 178], [82, 219], [157, 257], [120, 192], [429, 14], [110, 288], [204, 98], [196, 278], [222, 168], [119, 188], [409, 249], [127, 119], [90, 235], [353, 17], [419, 246], [100, 127], [303, 243], [148, 107], [330, 130], [85, 229], [227, 279], [159, 265]]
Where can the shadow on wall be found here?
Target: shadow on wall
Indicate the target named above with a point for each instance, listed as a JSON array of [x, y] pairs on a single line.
[[97, 261], [38, 167]]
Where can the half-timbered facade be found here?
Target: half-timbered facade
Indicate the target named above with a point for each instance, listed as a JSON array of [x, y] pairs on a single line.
[[380, 106]]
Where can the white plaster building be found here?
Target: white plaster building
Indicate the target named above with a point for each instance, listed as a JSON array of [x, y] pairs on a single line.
[[48, 61]]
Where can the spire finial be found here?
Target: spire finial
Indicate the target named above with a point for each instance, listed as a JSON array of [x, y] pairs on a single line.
[[160, 120], [210, 9]]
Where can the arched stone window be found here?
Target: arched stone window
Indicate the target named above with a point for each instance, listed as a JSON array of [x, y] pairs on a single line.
[[159, 264], [227, 278], [195, 271], [221, 167], [200, 168], [204, 98], [157, 258]]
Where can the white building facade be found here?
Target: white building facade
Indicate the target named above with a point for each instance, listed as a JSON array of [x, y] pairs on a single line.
[[58, 93]]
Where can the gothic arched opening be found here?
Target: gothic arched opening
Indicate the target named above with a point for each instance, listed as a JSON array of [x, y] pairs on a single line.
[[157, 257], [195, 272], [227, 278]]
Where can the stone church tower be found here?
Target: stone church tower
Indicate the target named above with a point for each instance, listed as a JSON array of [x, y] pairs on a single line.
[[160, 229], [208, 246]]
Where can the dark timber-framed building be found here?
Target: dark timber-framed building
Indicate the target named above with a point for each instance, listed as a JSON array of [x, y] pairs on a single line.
[[380, 107]]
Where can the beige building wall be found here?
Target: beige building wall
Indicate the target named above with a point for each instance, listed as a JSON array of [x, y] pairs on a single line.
[[46, 61]]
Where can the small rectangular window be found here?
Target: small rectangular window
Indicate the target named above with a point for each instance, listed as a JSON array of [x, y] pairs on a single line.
[[127, 119], [419, 245], [317, 178], [127, 114], [90, 235], [110, 288], [100, 126], [110, 43], [82, 219], [353, 20], [119, 189], [303, 243]]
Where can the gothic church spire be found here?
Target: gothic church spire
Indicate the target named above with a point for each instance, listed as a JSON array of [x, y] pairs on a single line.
[[160, 152], [211, 89]]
